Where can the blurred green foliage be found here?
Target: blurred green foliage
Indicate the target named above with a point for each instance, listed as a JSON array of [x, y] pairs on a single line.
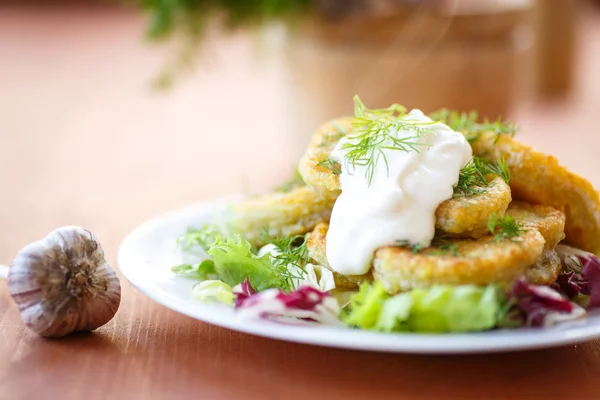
[[184, 22], [190, 16]]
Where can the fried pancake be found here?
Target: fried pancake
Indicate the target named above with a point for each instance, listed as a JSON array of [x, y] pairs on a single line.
[[545, 219], [322, 143], [539, 179], [467, 216], [284, 214], [315, 244], [472, 261], [545, 270]]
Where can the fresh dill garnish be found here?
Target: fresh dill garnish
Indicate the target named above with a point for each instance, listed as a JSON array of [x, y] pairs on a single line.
[[500, 168], [440, 246], [471, 179], [506, 227], [468, 124], [415, 248], [291, 250], [376, 131], [448, 248], [443, 246], [330, 164], [291, 184]]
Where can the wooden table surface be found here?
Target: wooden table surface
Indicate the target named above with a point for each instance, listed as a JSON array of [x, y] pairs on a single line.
[[83, 141]]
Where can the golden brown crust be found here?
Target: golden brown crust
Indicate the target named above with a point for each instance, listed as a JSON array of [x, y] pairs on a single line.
[[284, 214], [545, 219], [539, 179], [322, 143], [467, 216], [479, 262], [545, 270], [316, 250]]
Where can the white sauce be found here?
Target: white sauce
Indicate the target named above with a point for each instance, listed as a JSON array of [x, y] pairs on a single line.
[[399, 205]]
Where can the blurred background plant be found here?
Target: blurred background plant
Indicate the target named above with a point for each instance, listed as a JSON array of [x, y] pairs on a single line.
[[429, 53], [261, 76]]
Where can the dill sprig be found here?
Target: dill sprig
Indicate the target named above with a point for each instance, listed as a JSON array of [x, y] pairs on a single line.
[[376, 131], [444, 246], [440, 246], [291, 250], [499, 168], [469, 125], [447, 249], [471, 179], [330, 164], [415, 248], [505, 227]]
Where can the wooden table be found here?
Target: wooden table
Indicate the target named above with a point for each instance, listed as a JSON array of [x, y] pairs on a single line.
[[83, 141]]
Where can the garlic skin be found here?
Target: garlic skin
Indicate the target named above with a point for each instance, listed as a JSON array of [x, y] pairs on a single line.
[[63, 284]]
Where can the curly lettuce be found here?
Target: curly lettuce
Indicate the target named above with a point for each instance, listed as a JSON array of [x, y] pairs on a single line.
[[234, 261]]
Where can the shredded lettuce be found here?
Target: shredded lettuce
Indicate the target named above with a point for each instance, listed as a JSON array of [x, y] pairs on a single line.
[[441, 308], [214, 291], [234, 262]]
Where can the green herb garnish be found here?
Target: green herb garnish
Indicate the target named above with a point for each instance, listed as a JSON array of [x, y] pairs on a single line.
[[415, 248], [468, 124], [506, 227], [330, 164], [444, 248], [234, 262], [376, 131], [440, 246], [291, 249], [204, 270], [471, 179]]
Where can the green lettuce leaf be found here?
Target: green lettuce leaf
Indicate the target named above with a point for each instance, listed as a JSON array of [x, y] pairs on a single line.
[[365, 306], [202, 271], [213, 291], [234, 262], [442, 308]]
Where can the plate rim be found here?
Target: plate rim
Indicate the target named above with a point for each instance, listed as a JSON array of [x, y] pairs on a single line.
[[335, 337]]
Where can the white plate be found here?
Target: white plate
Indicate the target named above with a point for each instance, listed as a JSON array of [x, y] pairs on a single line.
[[147, 253]]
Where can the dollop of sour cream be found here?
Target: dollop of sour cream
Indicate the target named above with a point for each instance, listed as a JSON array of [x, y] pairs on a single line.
[[399, 203]]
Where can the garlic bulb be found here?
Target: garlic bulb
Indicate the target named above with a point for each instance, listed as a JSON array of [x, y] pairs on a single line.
[[63, 284]]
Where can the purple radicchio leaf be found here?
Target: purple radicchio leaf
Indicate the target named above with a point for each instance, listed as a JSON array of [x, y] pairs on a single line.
[[304, 305], [571, 284], [580, 275], [591, 272], [304, 298], [534, 305], [243, 292]]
